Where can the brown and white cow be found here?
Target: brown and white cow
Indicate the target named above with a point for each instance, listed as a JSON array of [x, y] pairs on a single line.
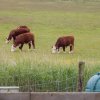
[[16, 32], [27, 38], [63, 42], [23, 26]]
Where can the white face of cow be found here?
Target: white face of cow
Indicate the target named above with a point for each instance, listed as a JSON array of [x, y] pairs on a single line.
[[54, 50], [13, 48], [7, 41]]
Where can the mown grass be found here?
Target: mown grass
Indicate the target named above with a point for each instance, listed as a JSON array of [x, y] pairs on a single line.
[[48, 21]]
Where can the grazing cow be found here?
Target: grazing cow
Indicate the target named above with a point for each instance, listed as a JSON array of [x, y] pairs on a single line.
[[16, 32], [22, 26], [27, 38], [64, 42]]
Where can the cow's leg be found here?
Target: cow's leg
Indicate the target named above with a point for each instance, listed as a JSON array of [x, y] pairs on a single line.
[[64, 48], [29, 45], [21, 46], [33, 44], [71, 49]]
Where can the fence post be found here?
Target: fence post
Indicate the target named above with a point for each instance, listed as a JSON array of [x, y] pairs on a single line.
[[81, 75]]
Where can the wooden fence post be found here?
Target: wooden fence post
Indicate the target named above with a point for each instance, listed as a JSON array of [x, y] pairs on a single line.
[[81, 75]]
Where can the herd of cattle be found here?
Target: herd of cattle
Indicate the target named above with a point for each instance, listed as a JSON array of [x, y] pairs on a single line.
[[22, 35]]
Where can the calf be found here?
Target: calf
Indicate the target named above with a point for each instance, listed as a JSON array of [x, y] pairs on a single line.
[[64, 42], [27, 38]]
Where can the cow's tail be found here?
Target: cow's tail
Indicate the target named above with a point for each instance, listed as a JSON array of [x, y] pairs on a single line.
[[33, 42]]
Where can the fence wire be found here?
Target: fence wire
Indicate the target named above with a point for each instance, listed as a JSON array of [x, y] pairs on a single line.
[[38, 83]]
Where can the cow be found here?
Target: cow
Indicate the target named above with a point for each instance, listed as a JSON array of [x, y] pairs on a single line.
[[63, 42], [27, 38], [15, 32], [23, 26]]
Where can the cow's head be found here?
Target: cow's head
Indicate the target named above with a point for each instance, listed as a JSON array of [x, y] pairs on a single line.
[[54, 49], [7, 40], [10, 36], [13, 48]]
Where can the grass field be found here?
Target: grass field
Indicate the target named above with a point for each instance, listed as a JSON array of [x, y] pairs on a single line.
[[48, 20]]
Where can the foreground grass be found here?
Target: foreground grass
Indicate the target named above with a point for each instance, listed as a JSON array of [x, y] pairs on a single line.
[[44, 77], [48, 21]]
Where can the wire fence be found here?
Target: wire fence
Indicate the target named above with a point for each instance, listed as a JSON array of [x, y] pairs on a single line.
[[68, 85], [40, 83], [58, 80]]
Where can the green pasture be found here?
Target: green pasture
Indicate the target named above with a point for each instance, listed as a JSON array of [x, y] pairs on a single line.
[[49, 20]]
